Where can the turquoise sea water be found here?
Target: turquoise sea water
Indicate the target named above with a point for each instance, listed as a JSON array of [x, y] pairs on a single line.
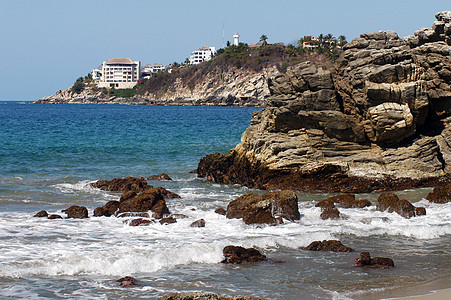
[[50, 153]]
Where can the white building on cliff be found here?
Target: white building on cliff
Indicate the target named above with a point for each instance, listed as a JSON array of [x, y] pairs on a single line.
[[120, 73], [202, 54]]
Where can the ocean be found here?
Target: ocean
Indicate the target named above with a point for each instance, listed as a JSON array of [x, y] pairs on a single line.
[[50, 153]]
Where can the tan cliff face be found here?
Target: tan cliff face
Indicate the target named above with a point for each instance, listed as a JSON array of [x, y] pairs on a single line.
[[382, 112], [235, 87]]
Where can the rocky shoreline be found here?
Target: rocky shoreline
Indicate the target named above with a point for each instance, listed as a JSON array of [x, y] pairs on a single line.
[[378, 120], [235, 87]]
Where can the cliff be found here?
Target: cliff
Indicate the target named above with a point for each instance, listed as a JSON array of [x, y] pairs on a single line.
[[378, 120], [237, 86]]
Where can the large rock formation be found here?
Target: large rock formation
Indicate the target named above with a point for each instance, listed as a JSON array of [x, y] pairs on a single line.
[[379, 120]]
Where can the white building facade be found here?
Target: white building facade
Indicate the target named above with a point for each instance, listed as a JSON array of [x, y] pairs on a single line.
[[236, 39], [202, 54], [120, 73]]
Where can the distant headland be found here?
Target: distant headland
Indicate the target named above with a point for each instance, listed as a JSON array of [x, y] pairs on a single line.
[[236, 75]]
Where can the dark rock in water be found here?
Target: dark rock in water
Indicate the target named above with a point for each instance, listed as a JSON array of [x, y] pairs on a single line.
[[168, 220], [241, 255], [127, 281], [386, 200], [41, 214], [343, 201], [420, 211], [205, 296], [150, 199], [163, 177], [440, 194], [221, 211], [391, 202], [167, 194], [121, 184], [76, 212], [198, 223], [327, 203], [107, 210], [376, 263], [53, 217], [331, 245], [330, 213], [127, 195], [133, 214], [256, 209], [140, 222]]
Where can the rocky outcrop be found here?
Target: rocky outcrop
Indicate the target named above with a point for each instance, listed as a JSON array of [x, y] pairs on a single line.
[[198, 223], [391, 203], [126, 281], [265, 209], [236, 87], [241, 255], [378, 120], [366, 261], [331, 245]]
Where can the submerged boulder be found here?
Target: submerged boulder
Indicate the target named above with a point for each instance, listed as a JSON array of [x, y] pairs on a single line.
[[127, 281], [241, 255], [265, 209], [164, 177], [330, 245], [376, 263], [331, 213], [198, 223]]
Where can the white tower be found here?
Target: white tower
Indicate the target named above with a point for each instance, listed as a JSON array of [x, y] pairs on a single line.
[[236, 39]]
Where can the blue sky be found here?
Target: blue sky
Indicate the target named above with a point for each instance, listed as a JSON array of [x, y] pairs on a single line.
[[47, 44]]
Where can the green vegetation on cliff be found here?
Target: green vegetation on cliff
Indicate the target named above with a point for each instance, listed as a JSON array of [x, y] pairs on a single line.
[[242, 57]]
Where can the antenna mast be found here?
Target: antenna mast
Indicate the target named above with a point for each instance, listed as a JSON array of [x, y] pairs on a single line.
[[223, 34]]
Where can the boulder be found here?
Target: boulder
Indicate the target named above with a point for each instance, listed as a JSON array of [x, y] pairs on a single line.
[[168, 220], [140, 222], [331, 245], [265, 209], [420, 211], [150, 199], [54, 216], [127, 281], [330, 213], [198, 223], [164, 177], [107, 210], [376, 263], [121, 184], [76, 212], [440, 194], [221, 211], [343, 201], [41, 214], [391, 202], [241, 255]]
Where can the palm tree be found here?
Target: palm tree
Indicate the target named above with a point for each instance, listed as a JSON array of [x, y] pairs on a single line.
[[321, 39], [263, 39], [342, 40]]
